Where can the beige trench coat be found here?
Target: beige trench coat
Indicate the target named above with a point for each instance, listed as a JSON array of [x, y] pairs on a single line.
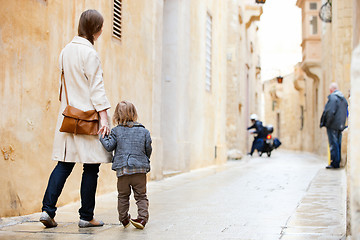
[[85, 87]]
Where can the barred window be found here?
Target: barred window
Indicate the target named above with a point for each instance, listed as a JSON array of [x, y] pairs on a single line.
[[314, 25], [117, 19], [313, 5], [208, 44]]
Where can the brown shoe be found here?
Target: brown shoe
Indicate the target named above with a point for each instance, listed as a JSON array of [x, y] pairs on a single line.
[[47, 220], [126, 222], [138, 223]]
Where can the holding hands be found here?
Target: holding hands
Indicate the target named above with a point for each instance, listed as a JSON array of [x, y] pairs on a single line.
[[105, 128]]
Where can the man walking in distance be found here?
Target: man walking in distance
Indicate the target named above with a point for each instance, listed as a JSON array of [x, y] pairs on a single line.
[[334, 118]]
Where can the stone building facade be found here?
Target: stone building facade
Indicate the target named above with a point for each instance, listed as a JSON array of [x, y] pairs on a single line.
[[336, 54], [294, 106], [309, 79], [333, 56], [170, 58], [243, 73], [354, 121], [284, 105], [337, 46], [326, 58], [32, 36]]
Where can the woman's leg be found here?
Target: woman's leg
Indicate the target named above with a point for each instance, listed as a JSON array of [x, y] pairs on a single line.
[[55, 185], [88, 191]]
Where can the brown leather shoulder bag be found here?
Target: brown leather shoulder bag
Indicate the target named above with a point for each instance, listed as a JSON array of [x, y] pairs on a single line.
[[77, 121]]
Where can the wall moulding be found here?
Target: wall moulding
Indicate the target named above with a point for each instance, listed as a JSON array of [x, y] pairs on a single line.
[[254, 16], [299, 78], [307, 68]]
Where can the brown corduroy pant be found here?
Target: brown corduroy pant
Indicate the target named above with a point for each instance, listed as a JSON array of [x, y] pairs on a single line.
[[136, 182]]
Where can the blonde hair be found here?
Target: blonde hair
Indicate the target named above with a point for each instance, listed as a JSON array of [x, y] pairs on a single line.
[[125, 114]]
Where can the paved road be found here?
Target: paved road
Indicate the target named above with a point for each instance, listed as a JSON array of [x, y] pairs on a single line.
[[288, 196]]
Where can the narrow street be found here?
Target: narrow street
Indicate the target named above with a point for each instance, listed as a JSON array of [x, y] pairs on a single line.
[[288, 196]]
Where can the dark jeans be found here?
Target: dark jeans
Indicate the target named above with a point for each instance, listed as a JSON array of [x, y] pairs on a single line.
[[335, 146], [257, 144], [87, 192]]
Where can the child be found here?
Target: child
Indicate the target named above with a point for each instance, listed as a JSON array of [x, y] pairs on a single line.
[[132, 144]]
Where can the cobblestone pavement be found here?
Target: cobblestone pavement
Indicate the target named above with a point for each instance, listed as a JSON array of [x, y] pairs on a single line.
[[289, 196]]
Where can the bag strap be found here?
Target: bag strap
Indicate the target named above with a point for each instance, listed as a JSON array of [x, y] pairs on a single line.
[[63, 79]]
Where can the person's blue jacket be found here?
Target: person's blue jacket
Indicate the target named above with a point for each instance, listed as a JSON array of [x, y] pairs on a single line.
[[335, 112], [259, 129], [132, 146]]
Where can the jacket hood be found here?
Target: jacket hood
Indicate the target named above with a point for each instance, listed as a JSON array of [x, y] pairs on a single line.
[[338, 94]]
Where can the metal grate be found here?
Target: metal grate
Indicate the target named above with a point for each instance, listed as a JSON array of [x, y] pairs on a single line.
[[117, 19], [313, 6], [208, 44]]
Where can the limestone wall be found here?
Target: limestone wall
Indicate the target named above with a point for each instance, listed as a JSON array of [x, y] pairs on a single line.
[[159, 65], [236, 102], [285, 110], [243, 73], [354, 139], [193, 117], [32, 36], [353, 216], [336, 62], [325, 60]]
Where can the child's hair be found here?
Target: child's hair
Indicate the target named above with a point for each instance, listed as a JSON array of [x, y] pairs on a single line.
[[125, 113]]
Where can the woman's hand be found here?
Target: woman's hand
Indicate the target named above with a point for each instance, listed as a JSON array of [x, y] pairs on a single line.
[[105, 129]]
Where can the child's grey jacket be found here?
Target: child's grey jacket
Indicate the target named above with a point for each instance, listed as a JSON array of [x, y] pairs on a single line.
[[132, 146]]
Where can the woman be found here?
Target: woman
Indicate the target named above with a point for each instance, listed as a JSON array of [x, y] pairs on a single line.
[[85, 89]]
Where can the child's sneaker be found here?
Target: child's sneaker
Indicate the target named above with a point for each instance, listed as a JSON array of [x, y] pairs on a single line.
[[138, 223], [126, 222]]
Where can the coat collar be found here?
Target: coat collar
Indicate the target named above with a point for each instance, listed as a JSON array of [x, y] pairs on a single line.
[[131, 124], [81, 40]]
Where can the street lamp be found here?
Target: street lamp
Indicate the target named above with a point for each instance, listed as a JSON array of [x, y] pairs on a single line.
[[279, 79], [260, 1], [326, 12]]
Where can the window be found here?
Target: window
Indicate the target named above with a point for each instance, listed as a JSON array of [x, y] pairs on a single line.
[[274, 104], [278, 124], [301, 117], [117, 19], [314, 24], [208, 47], [313, 6]]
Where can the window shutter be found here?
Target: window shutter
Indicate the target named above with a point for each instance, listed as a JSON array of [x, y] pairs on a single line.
[[117, 19], [208, 44]]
